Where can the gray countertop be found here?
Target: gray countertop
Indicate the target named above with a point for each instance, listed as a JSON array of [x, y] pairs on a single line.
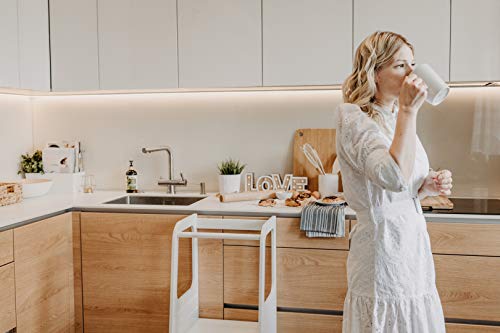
[[34, 209]]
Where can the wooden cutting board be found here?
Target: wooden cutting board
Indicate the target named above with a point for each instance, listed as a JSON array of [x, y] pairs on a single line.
[[321, 139], [437, 202]]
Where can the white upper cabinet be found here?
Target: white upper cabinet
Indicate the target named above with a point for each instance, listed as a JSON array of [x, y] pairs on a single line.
[[475, 40], [73, 45], [425, 23], [306, 42], [9, 56], [33, 38], [220, 43], [137, 44]]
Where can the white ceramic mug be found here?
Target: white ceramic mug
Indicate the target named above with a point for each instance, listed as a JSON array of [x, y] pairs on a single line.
[[437, 89]]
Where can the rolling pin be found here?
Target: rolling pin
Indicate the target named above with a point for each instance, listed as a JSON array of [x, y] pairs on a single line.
[[246, 196]]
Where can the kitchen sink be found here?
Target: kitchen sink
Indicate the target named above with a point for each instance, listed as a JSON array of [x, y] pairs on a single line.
[[152, 200]]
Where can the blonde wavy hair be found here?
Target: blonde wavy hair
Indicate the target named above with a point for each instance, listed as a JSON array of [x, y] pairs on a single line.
[[375, 52]]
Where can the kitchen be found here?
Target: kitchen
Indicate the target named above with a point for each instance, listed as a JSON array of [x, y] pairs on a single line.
[[228, 87]]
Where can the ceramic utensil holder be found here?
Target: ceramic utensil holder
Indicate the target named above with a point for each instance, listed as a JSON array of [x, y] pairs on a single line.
[[328, 184]]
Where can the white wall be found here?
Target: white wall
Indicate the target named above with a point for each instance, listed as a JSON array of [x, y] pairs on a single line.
[[463, 135], [16, 136], [255, 127], [201, 128]]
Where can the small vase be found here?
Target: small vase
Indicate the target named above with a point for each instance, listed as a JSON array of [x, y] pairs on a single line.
[[229, 183]]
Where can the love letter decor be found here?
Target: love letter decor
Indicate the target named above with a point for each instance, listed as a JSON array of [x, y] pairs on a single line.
[[274, 182]]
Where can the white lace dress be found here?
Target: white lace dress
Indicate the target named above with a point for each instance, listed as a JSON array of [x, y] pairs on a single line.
[[390, 269]]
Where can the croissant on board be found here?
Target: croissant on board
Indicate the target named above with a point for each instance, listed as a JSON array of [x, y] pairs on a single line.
[[292, 203], [267, 203], [316, 194]]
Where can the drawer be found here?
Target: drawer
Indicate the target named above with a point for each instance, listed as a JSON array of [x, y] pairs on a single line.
[[7, 298], [306, 278], [289, 235], [6, 247], [292, 322], [245, 242], [469, 286], [465, 328], [241, 274], [464, 238], [312, 279]]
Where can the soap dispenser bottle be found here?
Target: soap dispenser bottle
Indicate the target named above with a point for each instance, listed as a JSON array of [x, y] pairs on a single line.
[[131, 179]]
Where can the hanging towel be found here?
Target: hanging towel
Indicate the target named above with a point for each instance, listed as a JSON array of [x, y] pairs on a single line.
[[323, 221]]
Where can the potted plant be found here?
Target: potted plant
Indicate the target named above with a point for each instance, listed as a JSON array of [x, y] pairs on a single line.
[[230, 176], [31, 164]]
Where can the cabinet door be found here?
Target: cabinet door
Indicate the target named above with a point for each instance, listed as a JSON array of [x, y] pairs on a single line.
[[464, 238], [475, 40], [425, 24], [73, 45], [126, 272], [468, 286], [137, 44], [9, 57], [44, 275], [34, 53], [297, 270], [220, 43], [306, 42], [466, 328], [77, 273], [6, 247], [292, 322], [7, 298]]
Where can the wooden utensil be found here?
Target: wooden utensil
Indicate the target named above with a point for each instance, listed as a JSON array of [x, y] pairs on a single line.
[[323, 140], [246, 196]]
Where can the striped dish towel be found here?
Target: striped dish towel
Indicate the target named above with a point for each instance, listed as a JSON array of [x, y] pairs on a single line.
[[323, 221]]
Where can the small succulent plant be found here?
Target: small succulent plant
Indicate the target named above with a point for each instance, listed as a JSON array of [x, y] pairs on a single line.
[[231, 167], [31, 164]]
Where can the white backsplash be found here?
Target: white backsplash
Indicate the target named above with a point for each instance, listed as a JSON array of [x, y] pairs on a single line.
[[201, 128], [256, 127], [16, 128]]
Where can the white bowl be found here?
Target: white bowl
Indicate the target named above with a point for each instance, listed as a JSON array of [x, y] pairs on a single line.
[[35, 187], [283, 195]]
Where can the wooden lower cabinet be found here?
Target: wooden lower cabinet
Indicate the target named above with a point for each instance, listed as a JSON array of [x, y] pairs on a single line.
[[126, 272], [77, 273], [292, 322], [466, 328], [288, 234], [44, 275], [465, 238], [469, 286], [6, 247], [211, 275], [306, 278], [7, 298], [312, 279]]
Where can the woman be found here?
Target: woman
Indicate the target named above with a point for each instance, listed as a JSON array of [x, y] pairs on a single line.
[[385, 170]]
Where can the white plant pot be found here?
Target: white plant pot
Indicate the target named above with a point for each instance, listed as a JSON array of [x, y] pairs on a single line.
[[229, 183], [63, 182]]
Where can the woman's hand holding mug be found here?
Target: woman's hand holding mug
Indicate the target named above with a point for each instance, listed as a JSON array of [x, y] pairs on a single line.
[[413, 94]]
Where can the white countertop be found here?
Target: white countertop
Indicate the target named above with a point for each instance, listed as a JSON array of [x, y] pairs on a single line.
[[33, 209]]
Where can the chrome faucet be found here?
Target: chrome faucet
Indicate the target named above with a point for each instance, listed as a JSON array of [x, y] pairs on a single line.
[[171, 183]]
